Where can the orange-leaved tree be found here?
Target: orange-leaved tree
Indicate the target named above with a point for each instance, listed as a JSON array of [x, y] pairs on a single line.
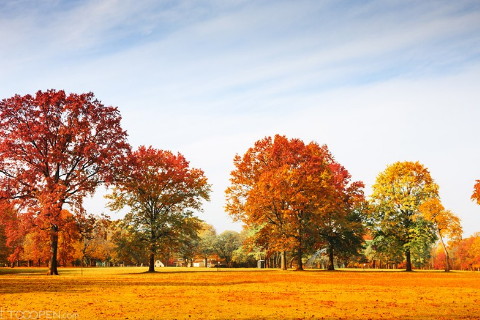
[[476, 192], [467, 253], [13, 229], [54, 150], [161, 192], [284, 189], [446, 223]]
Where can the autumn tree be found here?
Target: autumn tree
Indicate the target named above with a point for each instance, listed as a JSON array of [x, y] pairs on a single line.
[[36, 248], [446, 223], [54, 150], [93, 232], [467, 253], [67, 239], [13, 230], [476, 192], [3, 245], [398, 193], [286, 189], [161, 192]]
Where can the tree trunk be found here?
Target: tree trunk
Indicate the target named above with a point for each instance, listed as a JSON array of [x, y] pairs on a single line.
[[447, 258], [151, 263], [409, 261], [331, 266], [53, 250], [283, 260], [299, 260]]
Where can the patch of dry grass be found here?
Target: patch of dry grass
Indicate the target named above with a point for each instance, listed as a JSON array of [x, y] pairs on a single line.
[[181, 293]]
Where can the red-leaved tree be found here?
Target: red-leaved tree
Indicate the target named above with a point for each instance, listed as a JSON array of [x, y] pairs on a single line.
[[54, 150], [161, 191]]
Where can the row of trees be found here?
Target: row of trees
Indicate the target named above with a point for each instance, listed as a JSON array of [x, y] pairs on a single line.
[[292, 197], [92, 240], [55, 149], [297, 198]]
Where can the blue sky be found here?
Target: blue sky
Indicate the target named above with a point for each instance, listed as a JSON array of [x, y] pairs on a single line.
[[377, 81]]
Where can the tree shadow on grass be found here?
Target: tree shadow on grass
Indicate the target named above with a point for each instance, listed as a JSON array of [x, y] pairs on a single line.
[[23, 271], [212, 271], [79, 285], [380, 271]]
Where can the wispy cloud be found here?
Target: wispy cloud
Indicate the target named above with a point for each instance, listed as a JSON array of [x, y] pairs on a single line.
[[378, 81]]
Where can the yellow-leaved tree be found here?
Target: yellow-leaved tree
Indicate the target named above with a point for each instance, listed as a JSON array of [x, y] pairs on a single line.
[[398, 193]]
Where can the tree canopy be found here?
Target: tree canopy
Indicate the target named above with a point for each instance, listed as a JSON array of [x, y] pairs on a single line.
[[288, 191], [160, 190], [398, 193]]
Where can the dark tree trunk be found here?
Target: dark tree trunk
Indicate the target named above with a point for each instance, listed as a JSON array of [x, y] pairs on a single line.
[[299, 260], [331, 266], [151, 263], [53, 265], [283, 260], [409, 261]]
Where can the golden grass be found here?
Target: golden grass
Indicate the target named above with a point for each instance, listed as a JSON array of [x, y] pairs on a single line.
[[193, 293]]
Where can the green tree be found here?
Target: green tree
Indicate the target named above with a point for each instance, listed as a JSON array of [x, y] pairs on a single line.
[[248, 253], [341, 229], [343, 237], [398, 193], [206, 243], [225, 245], [128, 247]]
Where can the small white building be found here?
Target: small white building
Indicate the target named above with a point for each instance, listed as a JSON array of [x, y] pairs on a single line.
[[199, 264]]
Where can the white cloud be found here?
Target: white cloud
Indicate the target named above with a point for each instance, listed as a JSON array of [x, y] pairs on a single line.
[[378, 83]]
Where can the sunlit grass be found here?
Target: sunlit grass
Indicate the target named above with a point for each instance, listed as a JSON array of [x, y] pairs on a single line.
[[192, 293]]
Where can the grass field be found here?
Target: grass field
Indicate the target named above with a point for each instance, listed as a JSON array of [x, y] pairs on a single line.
[[181, 293]]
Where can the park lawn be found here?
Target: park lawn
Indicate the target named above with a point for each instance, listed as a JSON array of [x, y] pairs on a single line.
[[195, 293]]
